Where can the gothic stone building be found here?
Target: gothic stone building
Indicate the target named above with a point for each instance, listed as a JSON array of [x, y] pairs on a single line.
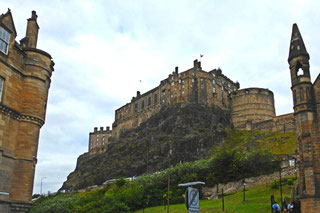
[[251, 108], [25, 73], [306, 100]]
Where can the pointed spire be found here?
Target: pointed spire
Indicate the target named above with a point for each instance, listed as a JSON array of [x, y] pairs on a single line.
[[297, 47]]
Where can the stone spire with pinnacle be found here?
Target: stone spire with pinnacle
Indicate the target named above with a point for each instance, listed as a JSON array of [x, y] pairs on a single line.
[[297, 47]]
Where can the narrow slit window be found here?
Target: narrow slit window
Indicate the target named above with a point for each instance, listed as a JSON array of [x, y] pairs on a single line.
[[1, 88]]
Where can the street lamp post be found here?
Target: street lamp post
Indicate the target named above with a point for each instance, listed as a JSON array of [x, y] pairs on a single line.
[[41, 185], [244, 190], [281, 167]]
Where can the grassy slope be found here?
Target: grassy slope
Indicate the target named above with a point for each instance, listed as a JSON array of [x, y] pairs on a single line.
[[257, 200], [275, 142]]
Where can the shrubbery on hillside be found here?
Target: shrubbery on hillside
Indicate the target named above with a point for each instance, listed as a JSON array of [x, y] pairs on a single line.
[[151, 190]]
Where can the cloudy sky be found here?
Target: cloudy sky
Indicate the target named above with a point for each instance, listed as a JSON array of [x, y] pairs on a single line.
[[102, 49]]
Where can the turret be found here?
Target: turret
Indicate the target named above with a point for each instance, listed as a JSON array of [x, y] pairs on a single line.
[[300, 73], [32, 32], [304, 112]]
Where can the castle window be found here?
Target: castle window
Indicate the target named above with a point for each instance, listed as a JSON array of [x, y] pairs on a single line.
[[155, 98], [214, 90], [142, 105], [4, 40], [213, 81], [182, 86], [171, 96], [182, 92], [192, 80], [179, 81], [172, 83], [149, 101], [136, 107], [1, 87], [201, 79]]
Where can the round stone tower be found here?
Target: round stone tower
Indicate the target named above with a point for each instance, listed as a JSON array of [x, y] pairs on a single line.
[[251, 105]]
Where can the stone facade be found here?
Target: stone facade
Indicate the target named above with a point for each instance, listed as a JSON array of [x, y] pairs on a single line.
[[251, 105], [25, 73], [99, 139], [306, 99]]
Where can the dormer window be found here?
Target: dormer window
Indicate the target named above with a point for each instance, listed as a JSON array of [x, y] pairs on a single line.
[[4, 40]]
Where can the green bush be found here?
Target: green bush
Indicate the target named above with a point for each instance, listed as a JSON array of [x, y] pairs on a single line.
[[275, 184], [126, 196], [290, 181]]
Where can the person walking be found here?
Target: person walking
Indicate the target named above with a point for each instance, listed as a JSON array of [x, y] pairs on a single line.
[[276, 208]]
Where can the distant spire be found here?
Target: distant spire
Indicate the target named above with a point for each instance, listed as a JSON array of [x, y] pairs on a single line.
[[297, 47]]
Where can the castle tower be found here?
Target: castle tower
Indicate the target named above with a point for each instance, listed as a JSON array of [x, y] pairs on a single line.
[[306, 123], [25, 76]]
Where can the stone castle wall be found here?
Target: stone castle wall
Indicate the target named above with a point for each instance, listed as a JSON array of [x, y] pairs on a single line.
[[99, 139], [251, 105], [281, 123]]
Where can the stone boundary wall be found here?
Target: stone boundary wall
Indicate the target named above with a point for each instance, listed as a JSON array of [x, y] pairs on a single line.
[[210, 193]]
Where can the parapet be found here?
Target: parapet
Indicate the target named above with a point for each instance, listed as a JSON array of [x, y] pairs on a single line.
[[252, 90], [101, 130]]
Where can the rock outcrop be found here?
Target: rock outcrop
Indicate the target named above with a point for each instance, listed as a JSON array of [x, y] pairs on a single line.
[[178, 133]]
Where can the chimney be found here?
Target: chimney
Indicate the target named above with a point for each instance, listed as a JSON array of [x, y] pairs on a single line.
[[177, 70], [108, 128], [138, 93], [101, 129], [95, 129], [195, 63], [32, 31], [199, 65]]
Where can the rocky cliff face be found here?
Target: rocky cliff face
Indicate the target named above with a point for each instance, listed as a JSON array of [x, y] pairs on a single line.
[[176, 134]]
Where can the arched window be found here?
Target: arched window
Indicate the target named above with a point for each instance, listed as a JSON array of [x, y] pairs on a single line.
[[299, 70]]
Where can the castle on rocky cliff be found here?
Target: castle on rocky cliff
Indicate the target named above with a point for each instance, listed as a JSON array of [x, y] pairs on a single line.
[[250, 108]]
